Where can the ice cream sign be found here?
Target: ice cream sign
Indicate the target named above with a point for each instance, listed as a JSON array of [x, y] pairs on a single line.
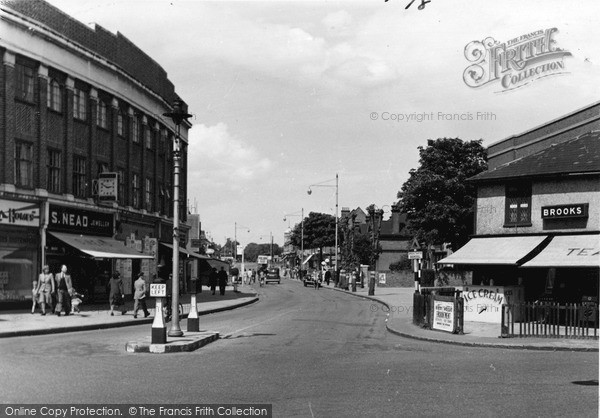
[[483, 303], [19, 213]]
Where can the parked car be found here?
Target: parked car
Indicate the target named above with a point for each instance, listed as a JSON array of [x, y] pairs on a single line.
[[273, 275]]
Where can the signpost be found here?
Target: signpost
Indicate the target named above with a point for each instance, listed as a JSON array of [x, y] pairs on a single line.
[[159, 328]]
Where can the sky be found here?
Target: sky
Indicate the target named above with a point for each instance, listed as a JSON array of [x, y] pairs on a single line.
[[285, 94]]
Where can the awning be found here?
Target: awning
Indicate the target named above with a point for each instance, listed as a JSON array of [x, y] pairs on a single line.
[[569, 251], [9, 257], [494, 250], [216, 263], [308, 259], [99, 247], [182, 250], [213, 262]]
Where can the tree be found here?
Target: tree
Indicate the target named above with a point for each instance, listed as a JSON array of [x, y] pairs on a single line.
[[319, 231], [437, 198], [253, 250]]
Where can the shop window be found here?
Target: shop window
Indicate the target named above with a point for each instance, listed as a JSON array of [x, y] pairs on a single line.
[[79, 104], [24, 88], [54, 95], [79, 177], [54, 171], [518, 205], [24, 164], [101, 115]]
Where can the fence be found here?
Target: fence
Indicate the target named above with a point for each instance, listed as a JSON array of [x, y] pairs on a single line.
[[439, 308], [550, 320]]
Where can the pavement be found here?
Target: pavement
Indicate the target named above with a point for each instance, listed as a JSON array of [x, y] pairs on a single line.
[[397, 303]]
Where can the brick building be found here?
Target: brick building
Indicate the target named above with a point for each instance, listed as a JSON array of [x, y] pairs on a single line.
[[86, 155], [538, 212]]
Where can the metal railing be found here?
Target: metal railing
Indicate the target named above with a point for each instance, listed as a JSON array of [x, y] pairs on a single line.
[[534, 319]]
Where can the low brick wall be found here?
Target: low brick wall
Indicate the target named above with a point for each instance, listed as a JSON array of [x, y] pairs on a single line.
[[406, 278]]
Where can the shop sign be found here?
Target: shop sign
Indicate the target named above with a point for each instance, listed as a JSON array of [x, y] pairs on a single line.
[[19, 213], [578, 210], [80, 221], [382, 278], [443, 315]]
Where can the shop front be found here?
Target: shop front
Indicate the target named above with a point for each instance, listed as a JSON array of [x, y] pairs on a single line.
[[19, 250], [82, 240]]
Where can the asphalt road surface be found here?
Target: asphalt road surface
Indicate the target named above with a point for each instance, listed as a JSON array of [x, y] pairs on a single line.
[[310, 353]]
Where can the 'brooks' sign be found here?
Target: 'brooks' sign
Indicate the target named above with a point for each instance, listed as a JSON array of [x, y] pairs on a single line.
[[579, 210]]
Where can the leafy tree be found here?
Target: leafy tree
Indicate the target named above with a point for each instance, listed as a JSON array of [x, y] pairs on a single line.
[[319, 231], [253, 250], [437, 198]]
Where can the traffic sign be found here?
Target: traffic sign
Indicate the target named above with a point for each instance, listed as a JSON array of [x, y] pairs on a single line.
[[415, 255], [158, 290]]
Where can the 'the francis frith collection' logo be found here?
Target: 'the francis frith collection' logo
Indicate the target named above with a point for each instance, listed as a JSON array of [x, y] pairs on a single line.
[[516, 62]]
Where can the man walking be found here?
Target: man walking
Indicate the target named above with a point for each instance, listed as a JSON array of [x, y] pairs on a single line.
[[139, 296], [222, 280], [65, 288]]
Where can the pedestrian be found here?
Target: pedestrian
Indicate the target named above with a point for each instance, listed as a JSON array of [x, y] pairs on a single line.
[[116, 293], [34, 296], [222, 280], [327, 277], [139, 296], [64, 290], [253, 276], [213, 279], [46, 287]]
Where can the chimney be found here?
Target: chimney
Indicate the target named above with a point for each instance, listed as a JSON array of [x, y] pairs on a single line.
[[395, 219]]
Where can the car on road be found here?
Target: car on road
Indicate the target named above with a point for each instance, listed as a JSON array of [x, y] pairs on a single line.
[[310, 277], [273, 275]]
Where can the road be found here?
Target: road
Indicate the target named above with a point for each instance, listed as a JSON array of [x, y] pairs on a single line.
[[310, 353]]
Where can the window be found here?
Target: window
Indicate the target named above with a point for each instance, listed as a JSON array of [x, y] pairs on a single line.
[[24, 164], [79, 104], [148, 137], [79, 177], [121, 186], [24, 90], [135, 133], [120, 123], [161, 141], [101, 118], [149, 196], [54, 96], [102, 168], [518, 205], [54, 166], [135, 183]]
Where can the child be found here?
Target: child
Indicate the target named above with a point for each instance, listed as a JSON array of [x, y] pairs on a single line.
[[34, 296], [76, 301]]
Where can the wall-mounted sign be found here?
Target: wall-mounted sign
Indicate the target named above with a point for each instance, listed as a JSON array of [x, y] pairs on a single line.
[[80, 221], [577, 210], [19, 213]]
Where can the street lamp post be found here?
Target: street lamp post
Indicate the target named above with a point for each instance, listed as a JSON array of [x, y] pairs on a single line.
[[236, 244], [178, 115], [375, 218], [336, 212]]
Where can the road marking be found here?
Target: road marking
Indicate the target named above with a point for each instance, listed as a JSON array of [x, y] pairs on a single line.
[[260, 323]]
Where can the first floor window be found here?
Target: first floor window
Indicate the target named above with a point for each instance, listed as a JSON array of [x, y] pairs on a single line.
[[135, 183], [24, 88], [518, 205], [79, 104], [79, 177], [102, 120], [120, 128], [149, 196], [121, 186], [24, 164], [54, 170]]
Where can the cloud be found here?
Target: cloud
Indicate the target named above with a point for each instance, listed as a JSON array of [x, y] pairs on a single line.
[[216, 157]]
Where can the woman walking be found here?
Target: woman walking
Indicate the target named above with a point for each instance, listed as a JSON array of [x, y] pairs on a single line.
[[116, 293], [45, 289]]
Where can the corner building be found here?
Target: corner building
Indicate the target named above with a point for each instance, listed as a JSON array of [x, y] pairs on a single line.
[[86, 155], [538, 213]]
